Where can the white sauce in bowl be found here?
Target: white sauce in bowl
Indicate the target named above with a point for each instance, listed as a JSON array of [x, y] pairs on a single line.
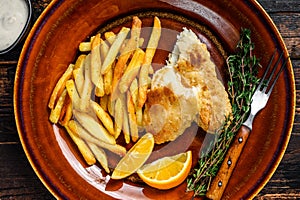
[[13, 18]]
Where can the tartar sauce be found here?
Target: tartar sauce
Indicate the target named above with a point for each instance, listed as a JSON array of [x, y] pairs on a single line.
[[13, 17]]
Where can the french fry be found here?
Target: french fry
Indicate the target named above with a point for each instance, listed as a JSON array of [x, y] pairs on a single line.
[[150, 51], [99, 91], [114, 49], [118, 72], [110, 37], [104, 117], [75, 73], [125, 125], [55, 113], [100, 156], [67, 112], [82, 147], [86, 136], [96, 75], [151, 70], [141, 42], [132, 118], [139, 116], [60, 85], [73, 94], [132, 44], [103, 102], [78, 74], [132, 70], [110, 106], [118, 115], [94, 127], [87, 86], [85, 46], [104, 48], [108, 77], [134, 91], [79, 62], [134, 95]]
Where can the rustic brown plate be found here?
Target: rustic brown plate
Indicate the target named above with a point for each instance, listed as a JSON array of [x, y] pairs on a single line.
[[52, 45]]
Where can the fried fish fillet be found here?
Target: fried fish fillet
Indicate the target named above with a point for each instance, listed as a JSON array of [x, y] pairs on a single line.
[[191, 77]]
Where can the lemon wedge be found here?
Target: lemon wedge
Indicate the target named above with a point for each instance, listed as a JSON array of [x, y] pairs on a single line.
[[135, 157], [167, 172]]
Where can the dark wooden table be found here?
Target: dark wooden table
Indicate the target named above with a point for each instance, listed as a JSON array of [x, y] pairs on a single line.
[[18, 180]]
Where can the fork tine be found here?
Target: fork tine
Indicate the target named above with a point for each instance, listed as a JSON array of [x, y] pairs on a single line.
[[267, 70], [273, 84], [272, 73]]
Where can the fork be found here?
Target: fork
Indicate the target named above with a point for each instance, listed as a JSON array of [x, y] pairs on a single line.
[[258, 102]]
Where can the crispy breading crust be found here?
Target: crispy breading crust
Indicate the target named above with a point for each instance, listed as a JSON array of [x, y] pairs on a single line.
[[162, 115]]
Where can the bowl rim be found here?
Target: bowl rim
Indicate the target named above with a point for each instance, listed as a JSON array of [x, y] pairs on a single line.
[[24, 32]]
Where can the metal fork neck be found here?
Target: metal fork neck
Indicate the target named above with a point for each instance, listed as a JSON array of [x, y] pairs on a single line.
[[249, 121]]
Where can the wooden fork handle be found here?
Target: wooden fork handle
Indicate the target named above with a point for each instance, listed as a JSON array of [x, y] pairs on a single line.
[[219, 183]]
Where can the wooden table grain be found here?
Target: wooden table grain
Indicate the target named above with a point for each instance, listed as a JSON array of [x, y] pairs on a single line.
[[18, 180]]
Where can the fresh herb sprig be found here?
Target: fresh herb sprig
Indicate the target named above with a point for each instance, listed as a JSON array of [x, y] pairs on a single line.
[[242, 69]]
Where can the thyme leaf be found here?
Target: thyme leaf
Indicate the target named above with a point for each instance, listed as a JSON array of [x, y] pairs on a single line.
[[242, 70]]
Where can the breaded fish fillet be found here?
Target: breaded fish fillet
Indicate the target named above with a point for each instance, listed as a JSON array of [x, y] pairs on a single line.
[[191, 77]]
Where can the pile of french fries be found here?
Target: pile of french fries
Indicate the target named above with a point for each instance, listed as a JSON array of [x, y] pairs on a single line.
[[103, 93]]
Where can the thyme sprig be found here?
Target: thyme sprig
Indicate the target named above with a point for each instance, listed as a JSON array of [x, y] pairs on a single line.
[[242, 70]]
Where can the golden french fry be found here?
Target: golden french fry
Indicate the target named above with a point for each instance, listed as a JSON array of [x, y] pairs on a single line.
[[143, 86], [123, 45], [104, 117], [118, 72], [132, 44], [132, 118], [96, 61], [85, 46], [79, 62], [72, 92], [87, 86], [132, 70], [82, 147], [134, 91], [96, 76], [141, 42], [94, 127], [75, 73], [151, 70], [110, 106], [60, 86], [103, 102], [99, 91], [104, 48], [100, 156], [114, 50], [82, 133], [110, 37], [139, 116], [78, 75], [95, 41], [125, 125], [68, 112], [118, 116], [150, 51], [108, 77], [55, 113]]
